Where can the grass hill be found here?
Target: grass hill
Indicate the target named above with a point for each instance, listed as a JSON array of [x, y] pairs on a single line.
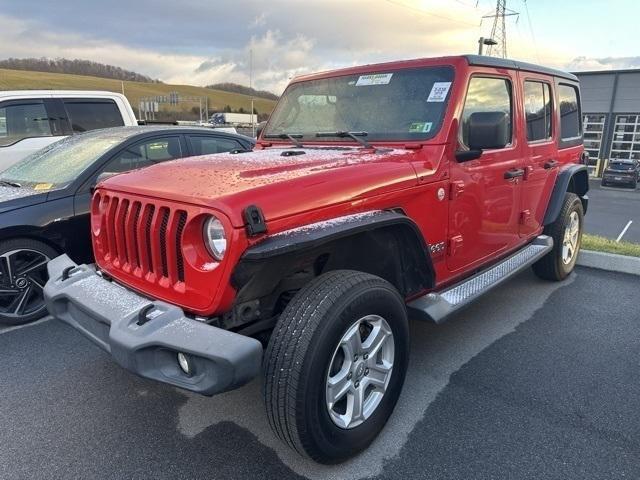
[[218, 99]]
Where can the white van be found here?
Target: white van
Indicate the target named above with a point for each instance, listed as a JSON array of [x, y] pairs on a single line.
[[32, 119]]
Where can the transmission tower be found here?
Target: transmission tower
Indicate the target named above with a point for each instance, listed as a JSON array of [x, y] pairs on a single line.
[[499, 29]]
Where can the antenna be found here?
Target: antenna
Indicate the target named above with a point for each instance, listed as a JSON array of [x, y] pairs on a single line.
[[499, 29]]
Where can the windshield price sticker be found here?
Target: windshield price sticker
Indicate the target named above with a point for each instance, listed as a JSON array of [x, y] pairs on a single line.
[[439, 92], [43, 186], [375, 79]]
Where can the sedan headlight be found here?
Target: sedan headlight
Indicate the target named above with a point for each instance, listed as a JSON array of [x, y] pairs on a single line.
[[214, 238]]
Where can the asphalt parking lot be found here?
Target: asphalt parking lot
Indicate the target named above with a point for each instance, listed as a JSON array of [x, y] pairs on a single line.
[[611, 209], [536, 380]]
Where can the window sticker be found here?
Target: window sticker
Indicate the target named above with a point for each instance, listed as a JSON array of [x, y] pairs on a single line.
[[420, 127], [43, 186], [374, 79], [439, 92]]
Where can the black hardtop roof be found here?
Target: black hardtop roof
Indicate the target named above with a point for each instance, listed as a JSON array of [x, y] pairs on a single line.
[[485, 61]]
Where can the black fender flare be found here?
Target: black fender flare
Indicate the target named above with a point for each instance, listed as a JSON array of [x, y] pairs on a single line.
[[396, 244], [574, 178]]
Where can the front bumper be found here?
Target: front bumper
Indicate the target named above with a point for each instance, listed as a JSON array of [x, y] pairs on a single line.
[[145, 336], [621, 179]]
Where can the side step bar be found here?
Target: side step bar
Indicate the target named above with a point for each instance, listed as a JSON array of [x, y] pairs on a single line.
[[436, 307]]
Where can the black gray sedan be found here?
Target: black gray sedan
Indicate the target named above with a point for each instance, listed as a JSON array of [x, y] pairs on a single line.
[[45, 200]]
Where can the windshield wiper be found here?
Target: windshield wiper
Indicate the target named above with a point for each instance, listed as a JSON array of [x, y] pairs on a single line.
[[293, 137], [10, 183], [343, 134]]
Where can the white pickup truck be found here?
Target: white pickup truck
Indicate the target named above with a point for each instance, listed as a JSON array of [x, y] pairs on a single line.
[[32, 119]]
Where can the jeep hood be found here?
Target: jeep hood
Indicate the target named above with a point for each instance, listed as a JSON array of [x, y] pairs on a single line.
[[281, 181]]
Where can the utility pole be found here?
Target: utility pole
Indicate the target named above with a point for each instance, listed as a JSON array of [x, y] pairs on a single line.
[[253, 122], [499, 29]]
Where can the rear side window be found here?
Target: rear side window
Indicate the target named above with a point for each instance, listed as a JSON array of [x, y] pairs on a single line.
[[86, 115], [486, 95], [23, 120], [537, 107], [144, 154], [205, 145], [569, 112]]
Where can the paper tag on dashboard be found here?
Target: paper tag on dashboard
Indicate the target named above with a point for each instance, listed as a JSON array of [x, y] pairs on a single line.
[[375, 79], [439, 92]]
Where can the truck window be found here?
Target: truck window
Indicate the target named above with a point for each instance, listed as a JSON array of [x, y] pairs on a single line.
[[569, 112], [86, 114], [486, 94], [205, 145], [144, 154], [537, 107], [23, 120]]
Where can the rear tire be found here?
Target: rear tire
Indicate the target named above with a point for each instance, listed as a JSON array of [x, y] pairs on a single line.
[[323, 400], [23, 273], [566, 232]]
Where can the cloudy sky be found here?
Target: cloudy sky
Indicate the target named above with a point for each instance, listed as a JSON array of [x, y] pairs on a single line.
[[208, 41]]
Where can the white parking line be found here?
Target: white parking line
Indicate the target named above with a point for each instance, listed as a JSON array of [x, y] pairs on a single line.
[[18, 327], [624, 230]]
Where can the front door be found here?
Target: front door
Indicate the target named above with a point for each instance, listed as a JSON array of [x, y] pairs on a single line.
[[485, 193]]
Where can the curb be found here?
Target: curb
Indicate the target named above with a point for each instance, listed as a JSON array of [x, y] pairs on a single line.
[[609, 261]]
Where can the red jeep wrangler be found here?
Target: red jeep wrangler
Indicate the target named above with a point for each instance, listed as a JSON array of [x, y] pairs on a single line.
[[376, 193]]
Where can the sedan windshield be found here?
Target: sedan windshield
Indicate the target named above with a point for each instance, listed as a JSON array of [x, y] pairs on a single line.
[[394, 105], [61, 162]]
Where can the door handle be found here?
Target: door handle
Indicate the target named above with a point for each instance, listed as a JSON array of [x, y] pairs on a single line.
[[514, 173], [550, 164]]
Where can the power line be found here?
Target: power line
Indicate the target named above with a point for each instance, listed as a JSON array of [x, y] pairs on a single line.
[[533, 37], [424, 12]]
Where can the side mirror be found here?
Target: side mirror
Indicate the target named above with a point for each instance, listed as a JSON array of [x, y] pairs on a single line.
[[485, 130], [488, 130], [100, 178]]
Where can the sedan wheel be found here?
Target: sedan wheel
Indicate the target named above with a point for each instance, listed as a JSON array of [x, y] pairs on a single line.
[[23, 274]]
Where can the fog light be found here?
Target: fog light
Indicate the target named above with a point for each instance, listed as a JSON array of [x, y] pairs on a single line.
[[185, 363]]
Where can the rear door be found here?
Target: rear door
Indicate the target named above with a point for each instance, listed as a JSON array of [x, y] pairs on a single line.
[[200, 144], [485, 204], [539, 150]]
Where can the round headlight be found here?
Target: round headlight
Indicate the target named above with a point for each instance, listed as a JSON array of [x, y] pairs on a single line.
[[214, 238]]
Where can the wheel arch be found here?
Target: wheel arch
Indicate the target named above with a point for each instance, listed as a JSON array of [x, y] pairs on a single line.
[[574, 179], [387, 244]]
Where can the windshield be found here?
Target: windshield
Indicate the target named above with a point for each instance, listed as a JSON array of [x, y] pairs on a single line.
[[61, 162], [623, 167], [393, 105]]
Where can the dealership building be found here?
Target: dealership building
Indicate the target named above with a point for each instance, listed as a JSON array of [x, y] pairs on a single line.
[[611, 113]]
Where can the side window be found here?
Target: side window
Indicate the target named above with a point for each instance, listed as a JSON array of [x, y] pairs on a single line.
[[537, 107], [88, 115], [205, 145], [569, 112], [23, 120], [144, 154], [486, 95]]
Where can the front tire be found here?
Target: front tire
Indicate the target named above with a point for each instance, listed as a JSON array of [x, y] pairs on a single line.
[[335, 365], [23, 273], [566, 232]]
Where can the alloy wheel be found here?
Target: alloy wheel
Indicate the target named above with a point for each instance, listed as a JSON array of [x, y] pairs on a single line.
[[359, 371], [571, 239], [23, 274]]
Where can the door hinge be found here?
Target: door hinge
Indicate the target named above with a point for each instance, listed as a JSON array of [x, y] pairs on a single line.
[[455, 244], [456, 189], [525, 216]]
